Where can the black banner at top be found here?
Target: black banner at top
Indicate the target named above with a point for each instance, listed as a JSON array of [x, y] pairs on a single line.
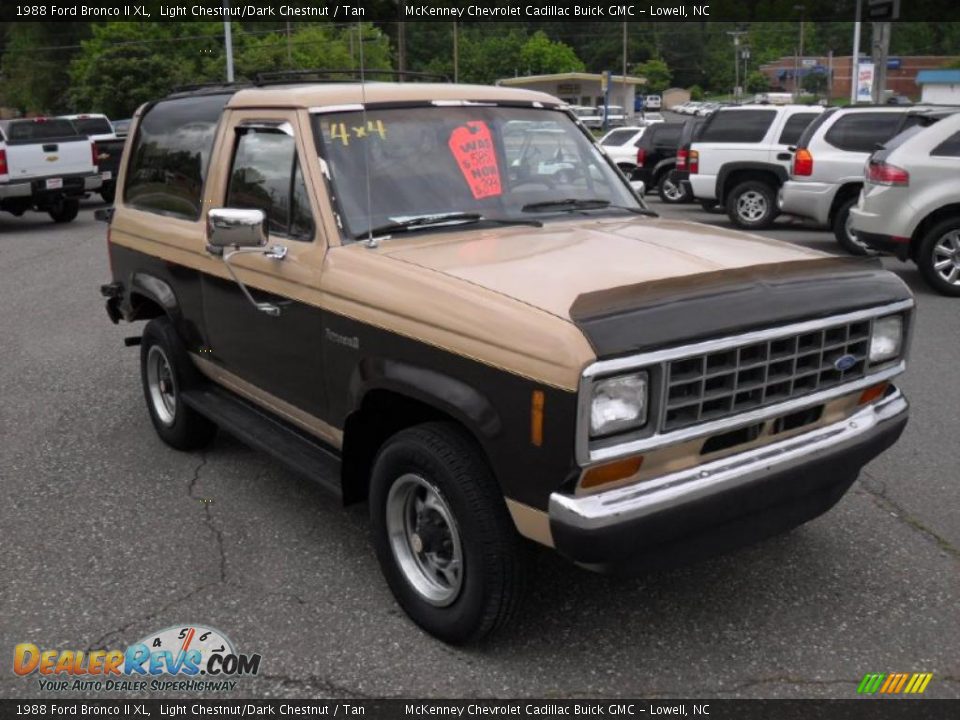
[[382, 11]]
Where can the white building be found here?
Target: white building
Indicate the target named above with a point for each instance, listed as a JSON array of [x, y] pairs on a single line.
[[580, 88], [939, 86]]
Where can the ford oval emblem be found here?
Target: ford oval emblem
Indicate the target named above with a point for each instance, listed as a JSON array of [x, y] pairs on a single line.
[[844, 362]]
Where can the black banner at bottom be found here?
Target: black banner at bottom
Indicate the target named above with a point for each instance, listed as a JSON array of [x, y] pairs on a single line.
[[860, 709]]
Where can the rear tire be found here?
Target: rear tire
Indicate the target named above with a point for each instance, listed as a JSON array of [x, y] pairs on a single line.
[[64, 211], [444, 539], [939, 257], [671, 190], [165, 372], [711, 206], [752, 205], [843, 231]]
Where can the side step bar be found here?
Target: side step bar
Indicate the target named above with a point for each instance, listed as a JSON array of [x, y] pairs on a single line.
[[260, 430]]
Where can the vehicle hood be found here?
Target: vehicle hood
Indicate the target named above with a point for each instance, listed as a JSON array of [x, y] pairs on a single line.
[[550, 267]]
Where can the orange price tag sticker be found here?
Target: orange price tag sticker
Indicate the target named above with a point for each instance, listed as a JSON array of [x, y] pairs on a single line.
[[472, 147]]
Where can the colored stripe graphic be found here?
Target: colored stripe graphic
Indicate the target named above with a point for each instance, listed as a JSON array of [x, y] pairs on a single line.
[[894, 683]]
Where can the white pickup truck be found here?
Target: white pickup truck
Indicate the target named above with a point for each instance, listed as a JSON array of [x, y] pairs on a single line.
[[46, 164]]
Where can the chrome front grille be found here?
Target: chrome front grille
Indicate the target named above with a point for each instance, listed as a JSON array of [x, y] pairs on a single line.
[[719, 384]]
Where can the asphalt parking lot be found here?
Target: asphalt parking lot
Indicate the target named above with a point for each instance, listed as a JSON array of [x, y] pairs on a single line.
[[109, 535]]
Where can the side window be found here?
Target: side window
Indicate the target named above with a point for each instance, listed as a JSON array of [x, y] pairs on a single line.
[[862, 132], [168, 161], [738, 126], [794, 127], [949, 147], [265, 175]]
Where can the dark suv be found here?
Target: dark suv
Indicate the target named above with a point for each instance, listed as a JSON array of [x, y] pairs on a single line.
[[657, 158]]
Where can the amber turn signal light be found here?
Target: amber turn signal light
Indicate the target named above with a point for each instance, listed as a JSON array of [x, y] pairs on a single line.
[[536, 418], [604, 474], [872, 393]]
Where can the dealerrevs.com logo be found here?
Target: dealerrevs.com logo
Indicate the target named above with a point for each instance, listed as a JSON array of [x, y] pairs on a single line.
[[179, 658]]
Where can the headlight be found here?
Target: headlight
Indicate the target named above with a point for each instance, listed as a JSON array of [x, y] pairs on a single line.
[[887, 339], [618, 404]]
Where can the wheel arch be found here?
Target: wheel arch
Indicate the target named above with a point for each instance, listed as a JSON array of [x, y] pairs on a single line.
[[931, 219], [150, 297], [844, 193], [732, 174]]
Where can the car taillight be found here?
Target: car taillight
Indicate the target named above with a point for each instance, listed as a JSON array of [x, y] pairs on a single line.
[[881, 173], [682, 159], [803, 162], [693, 161], [3, 162], [641, 157]]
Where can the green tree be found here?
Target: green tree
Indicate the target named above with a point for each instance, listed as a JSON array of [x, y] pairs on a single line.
[[696, 92], [757, 82], [656, 72], [815, 83], [540, 55], [31, 72]]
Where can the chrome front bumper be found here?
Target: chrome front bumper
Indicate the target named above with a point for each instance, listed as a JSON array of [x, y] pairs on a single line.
[[630, 518]]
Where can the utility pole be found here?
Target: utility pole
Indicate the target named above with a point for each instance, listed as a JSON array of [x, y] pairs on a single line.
[[626, 110], [401, 40], [829, 75], [289, 48], [456, 54], [736, 35], [855, 58], [796, 77], [881, 49], [228, 41]]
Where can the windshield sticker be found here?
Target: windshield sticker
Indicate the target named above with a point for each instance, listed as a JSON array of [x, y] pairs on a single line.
[[340, 131], [472, 148]]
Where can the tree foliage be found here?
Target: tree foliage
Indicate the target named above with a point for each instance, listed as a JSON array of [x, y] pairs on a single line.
[[757, 82], [656, 72]]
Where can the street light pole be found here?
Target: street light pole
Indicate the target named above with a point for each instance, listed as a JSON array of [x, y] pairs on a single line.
[[228, 40], [736, 34], [855, 59], [796, 77]]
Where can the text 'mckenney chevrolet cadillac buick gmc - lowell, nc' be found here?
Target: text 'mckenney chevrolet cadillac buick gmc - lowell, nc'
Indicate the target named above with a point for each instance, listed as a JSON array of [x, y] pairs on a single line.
[[446, 301]]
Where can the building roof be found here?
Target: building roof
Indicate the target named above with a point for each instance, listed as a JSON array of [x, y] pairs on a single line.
[[568, 76], [938, 77]]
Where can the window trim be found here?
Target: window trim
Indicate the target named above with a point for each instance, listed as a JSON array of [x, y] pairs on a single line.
[[278, 127]]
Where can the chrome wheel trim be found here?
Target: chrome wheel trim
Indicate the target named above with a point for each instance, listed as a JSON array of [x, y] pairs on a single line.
[[751, 206], [162, 385], [946, 257], [424, 539], [672, 190]]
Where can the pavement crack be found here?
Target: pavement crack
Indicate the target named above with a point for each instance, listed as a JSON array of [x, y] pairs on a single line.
[[876, 490], [312, 681], [208, 517]]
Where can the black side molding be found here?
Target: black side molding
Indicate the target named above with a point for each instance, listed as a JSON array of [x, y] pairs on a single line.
[[260, 430]]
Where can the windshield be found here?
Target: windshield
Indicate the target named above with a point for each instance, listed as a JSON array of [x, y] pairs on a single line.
[[498, 163]]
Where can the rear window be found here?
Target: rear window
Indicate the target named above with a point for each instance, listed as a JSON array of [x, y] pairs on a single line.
[[618, 138], [667, 135], [40, 130], [862, 132], [168, 161], [949, 147], [93, 126], [738, 126], [794, 127]]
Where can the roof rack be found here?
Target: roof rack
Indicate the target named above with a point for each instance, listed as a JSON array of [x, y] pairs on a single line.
[[213, 88], [284, 77]]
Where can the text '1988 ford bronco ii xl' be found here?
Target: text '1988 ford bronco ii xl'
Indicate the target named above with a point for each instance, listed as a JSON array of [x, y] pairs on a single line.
[[447, 301]]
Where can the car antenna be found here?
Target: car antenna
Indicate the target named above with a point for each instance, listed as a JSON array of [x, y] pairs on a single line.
[[371, 241]]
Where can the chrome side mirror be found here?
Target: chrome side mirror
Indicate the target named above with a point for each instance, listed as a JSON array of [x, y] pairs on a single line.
[[235, 227], [235, 231]]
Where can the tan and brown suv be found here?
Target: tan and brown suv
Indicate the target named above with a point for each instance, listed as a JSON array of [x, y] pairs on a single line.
[[445, 300]]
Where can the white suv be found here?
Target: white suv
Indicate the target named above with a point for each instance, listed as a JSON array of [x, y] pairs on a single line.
[[910, 204], [827, 172], [743, 156]]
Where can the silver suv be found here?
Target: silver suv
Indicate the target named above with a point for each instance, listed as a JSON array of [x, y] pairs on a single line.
[[910, 204], [826, 175]]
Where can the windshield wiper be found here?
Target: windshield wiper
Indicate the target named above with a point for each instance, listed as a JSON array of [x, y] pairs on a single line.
[[459, 218], [573, 204]]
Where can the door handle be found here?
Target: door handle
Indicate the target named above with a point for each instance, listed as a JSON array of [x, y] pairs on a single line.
[[784, 156]]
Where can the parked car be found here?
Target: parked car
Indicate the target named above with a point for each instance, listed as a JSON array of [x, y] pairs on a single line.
[[107, 147], [589, 116], [484, 351], [707, 109], [656, 159], [681, 173], [651, 118], [910, 204], [620, 145], [743, 157], [652, 102], [613, 116], [688, 108], [826, 175], [121, 127], [47, 165]]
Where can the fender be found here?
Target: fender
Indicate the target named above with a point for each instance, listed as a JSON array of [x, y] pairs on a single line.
[[155, 289], [778, 170], [664, 166], [442, 392]]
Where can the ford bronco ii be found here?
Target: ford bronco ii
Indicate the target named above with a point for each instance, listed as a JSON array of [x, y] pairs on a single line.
[[446, 301]]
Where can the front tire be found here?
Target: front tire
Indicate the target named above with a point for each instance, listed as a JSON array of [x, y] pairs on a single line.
[[752, 205], [939, 257], [444, 539], [65, 210], [165, 372], [844, 233]]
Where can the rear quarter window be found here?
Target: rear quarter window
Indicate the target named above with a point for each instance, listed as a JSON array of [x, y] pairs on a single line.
[[862, 132], [794, 127], [169, 157], [738, 126], [949, 147]]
